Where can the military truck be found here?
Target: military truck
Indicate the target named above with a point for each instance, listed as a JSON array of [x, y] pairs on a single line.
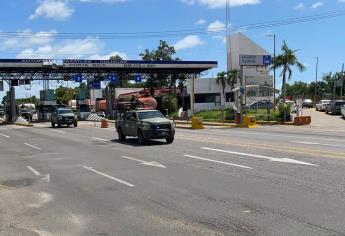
[[145, 124], [63, 116]]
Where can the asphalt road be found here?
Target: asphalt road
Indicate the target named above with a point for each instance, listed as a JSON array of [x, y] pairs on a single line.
[[82, 181]]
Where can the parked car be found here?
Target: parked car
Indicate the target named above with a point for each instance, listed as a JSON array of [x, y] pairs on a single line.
[[321, 105], [262, 104], [307, 103], [334, 107], [292, 105], [63, 116], [343, 111], [145, 124]]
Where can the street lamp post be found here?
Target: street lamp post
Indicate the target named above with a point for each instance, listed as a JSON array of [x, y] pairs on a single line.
[[316, 76], [274, 70]]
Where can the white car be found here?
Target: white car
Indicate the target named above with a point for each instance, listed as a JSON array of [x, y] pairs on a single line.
[[343, 111], [292, 105], [321, 105]]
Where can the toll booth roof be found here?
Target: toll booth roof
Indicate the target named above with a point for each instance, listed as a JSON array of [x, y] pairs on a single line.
[[104, 66]]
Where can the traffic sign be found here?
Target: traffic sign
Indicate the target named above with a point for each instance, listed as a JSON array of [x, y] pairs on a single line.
[[138, 78], [113, 79], [94, 85], [78, 78]]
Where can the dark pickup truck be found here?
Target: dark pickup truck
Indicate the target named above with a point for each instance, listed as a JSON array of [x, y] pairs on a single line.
[[145, 124], [63, 116]]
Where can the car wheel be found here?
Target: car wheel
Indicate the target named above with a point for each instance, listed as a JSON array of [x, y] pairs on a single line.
[[75, 125], [170, 140], [122, 137], [141, 139]]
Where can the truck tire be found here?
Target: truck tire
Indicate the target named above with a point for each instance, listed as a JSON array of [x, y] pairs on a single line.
[[59, 125], [53, 124], [121, 135], [75, 125]]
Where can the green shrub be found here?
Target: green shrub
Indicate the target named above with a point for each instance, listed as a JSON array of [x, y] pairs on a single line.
[[169, 102]]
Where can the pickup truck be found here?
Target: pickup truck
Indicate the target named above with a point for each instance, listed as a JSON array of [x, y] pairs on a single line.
[[63, 116], [145, 124]]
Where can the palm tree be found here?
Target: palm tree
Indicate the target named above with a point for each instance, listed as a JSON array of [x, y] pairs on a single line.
[[286, 60], [233, 77], [222, 80]]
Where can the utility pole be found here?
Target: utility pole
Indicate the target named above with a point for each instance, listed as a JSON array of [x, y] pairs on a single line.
[[274, 72], [342, 83], [316, 75]]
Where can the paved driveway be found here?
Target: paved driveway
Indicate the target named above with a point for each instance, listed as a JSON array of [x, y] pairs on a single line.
[[320, 119]]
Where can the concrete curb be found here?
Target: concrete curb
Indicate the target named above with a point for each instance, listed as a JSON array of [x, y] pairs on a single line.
[[25, 125]]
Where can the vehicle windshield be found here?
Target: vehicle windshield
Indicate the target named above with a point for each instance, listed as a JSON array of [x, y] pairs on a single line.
[[149, 115], [65, 111]]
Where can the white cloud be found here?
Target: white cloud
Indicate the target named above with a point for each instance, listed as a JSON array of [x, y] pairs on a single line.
[[26, 38], [103, 1], [124, 56], [221, 3], [81, 48], [201, 22], [317, 5], [61, 9], [221, 38], [299, 6], [216, 26], [189, 41], [55, 9]]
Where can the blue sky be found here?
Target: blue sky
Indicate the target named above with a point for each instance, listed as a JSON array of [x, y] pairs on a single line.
[[323, 38]]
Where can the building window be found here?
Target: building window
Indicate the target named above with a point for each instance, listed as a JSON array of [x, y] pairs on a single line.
[[206, 97], [230, 97]]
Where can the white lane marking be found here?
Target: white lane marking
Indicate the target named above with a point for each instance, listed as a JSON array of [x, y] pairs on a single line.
[[274, 159], [43, 177], [4, 135], [219, 162], [32, 146], [286, 136], [146, 163], [34, 171], [321, 144], [100, 139], [109, 176], [58, 131]]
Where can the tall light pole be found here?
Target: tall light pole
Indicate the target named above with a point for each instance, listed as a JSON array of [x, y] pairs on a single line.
[[227, 33], [316, 76], [274, 70]]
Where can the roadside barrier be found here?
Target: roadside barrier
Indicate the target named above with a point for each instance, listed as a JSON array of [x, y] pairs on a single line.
[[302, 120], [105, 124], [94, 117], [197, 123]]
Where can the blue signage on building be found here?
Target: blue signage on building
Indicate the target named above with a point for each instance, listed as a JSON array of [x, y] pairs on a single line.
[[78, 78], [267, 60], [138, 78], [94, 85], [113, 79]]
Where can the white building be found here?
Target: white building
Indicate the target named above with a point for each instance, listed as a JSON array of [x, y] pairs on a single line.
[[258, 81]]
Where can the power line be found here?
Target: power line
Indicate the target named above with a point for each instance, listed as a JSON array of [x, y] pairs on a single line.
[[171, 33]]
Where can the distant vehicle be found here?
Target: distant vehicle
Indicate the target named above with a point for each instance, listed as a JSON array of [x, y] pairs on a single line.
[[343, 111], [307, 103], [262, 104], [145, 124], [2, 113], [26, 114], [321, 105], [334, 107], [292, 105], [63, 116]]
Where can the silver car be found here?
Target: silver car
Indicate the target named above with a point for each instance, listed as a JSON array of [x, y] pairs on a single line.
[[343, 111], [321, 105]]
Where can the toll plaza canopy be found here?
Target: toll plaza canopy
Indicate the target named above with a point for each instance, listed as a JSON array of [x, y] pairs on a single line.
[[46, 67]]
